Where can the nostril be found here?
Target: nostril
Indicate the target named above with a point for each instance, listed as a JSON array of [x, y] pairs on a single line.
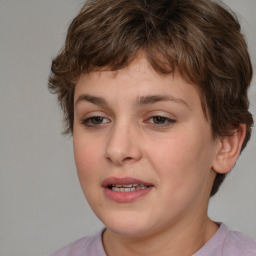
[[127, 159]]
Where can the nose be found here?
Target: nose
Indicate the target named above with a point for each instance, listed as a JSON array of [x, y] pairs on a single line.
[[123, 146]]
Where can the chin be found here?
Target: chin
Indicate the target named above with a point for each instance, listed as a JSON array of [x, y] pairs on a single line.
[[127, 224], [128, 230]]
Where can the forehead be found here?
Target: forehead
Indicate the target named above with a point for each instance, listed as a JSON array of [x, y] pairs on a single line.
[[138, 83]]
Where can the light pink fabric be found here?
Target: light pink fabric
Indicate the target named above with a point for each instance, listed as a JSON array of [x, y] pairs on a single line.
[[223, 243], [228, 243]]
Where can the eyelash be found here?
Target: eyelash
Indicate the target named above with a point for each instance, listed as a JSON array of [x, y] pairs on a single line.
[[88, 122], [162, 121]]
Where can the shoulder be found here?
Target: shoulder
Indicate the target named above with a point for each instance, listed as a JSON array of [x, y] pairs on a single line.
[[239, 243], [73, 249], [86, 246], [228, 243]]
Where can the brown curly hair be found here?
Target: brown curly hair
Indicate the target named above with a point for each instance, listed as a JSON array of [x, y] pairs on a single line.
[[201, 39]]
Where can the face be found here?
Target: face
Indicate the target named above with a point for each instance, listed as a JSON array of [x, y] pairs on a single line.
[[143, 149]]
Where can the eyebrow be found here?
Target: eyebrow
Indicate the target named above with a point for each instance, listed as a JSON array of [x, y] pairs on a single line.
[[92, 99], [141, 100], [151, 99]]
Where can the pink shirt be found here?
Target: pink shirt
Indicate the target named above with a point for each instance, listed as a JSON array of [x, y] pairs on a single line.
[[223, 243]]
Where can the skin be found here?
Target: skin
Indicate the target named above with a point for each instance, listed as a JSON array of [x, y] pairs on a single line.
[[176, 155]]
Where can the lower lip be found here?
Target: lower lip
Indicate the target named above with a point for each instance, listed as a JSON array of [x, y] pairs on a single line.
[[126, 197]]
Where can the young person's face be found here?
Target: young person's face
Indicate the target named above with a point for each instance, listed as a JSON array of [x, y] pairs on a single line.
[[137, 128]]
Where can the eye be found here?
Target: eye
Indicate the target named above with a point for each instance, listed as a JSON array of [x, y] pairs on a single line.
[[161, 120], [94, 121]]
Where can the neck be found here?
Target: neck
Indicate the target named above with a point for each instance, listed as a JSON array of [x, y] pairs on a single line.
[[181, 240], [184, 237]]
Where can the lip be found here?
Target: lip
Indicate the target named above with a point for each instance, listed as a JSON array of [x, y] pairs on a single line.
[[123, 181], [125, 197]]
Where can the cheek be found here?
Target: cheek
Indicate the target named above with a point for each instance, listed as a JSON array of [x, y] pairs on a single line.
[[87, 165], [86, 156], [184, 159]]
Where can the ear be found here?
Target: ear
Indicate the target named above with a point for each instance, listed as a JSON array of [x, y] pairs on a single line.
[[229, 150]]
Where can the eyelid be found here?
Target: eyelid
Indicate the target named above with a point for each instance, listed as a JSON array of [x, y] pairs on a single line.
[[166, 118], [85, 120], [91, 117], [167, 122], [161, 113]]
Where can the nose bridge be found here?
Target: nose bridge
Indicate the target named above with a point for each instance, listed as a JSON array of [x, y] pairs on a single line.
[[122, 143]]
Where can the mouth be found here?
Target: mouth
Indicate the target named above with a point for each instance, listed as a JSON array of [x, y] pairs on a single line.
[[125, 190]]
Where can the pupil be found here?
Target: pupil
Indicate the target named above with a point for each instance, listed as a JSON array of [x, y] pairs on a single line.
[[97, 120], [159, 119]]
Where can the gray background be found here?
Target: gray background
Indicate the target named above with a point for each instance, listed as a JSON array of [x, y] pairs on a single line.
[[42, 205]]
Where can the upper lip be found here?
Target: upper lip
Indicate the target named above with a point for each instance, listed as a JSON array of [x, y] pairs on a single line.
[[123, 181]]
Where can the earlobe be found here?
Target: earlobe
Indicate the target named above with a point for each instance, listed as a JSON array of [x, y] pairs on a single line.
[[229, 150]]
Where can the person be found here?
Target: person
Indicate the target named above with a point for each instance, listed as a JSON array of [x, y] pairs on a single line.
[[154, 93]]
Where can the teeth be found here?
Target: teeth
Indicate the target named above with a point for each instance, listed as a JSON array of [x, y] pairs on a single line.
[[115, 189], [127, 187]]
